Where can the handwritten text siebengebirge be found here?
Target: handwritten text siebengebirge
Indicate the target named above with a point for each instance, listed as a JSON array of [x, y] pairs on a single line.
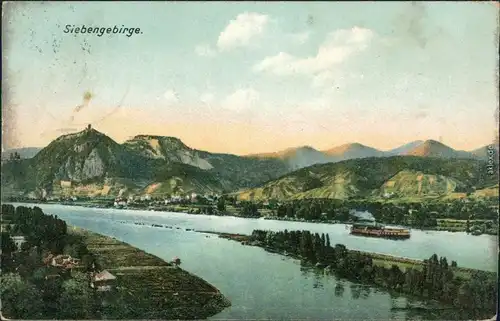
[[100, 31]]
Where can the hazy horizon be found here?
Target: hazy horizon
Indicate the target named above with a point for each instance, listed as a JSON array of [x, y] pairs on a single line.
[[252, 78]]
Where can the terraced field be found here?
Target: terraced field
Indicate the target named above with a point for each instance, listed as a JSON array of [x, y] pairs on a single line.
[[148, 287], [167, 293]]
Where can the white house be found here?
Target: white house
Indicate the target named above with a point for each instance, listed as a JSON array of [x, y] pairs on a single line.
[[65, 184], [61, 261], [175, 199], [120, 203], [146, 197], [388, 194], [18, 240]]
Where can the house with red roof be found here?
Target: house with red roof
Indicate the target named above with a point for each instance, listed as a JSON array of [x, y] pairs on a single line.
[[102, 281]]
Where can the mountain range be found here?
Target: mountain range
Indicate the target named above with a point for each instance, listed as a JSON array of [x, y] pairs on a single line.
[[304, 156], [91, 163]]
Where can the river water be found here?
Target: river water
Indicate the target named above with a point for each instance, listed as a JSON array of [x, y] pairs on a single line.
[[262, 285]]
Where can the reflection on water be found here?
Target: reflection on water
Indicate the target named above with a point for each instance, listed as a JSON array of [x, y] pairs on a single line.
[[365, 292], [317, 282], [260, 285], [339, 289], [355, 291]]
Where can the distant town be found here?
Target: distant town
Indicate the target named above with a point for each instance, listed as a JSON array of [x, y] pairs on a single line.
[[173, 199]]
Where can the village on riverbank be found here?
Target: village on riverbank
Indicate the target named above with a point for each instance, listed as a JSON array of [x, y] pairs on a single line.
[[51, 270], [470, 215]]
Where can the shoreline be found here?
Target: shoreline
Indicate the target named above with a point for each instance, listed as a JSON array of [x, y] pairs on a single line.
[[140, 222], [380, 261], [148, 286], [287, 219], [246, 240]]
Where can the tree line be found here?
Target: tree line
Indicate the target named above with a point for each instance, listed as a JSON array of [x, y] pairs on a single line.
[[31, 288], [416, 214], [436, 279]]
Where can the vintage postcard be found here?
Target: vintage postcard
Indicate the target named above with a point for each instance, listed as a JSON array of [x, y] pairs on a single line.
[[249, 160]]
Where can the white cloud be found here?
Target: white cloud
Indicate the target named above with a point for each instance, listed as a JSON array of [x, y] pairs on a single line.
[[207, 98], [242, 30], [338, 46], [171, 97], [241, 99], [205, 50]]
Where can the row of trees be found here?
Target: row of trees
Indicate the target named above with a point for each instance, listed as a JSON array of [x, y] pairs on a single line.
[[39, 230], [55, 298], [414, 214], [249, 209], [436, 279], [30, 288]]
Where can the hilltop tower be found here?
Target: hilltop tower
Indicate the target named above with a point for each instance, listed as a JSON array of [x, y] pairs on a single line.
[[89, 127]]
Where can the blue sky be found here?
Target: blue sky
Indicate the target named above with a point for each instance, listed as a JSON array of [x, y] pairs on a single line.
[[255, 77]]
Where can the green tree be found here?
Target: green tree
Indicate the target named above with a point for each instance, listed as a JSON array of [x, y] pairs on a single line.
[[76, 300], [8, 245], [249, 209], [221, 204], [20, 299]]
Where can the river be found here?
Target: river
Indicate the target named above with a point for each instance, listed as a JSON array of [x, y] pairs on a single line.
[[263, 285]]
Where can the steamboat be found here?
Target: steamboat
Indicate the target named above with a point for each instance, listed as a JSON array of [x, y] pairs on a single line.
[[373, 229]]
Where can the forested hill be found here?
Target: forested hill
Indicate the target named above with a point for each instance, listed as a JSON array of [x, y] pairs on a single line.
[[89, 163], [397, 176]]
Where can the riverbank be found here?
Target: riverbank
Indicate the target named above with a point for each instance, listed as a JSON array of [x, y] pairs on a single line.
[[148, 287], [379, 259], [461, 291], [443, 224]]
